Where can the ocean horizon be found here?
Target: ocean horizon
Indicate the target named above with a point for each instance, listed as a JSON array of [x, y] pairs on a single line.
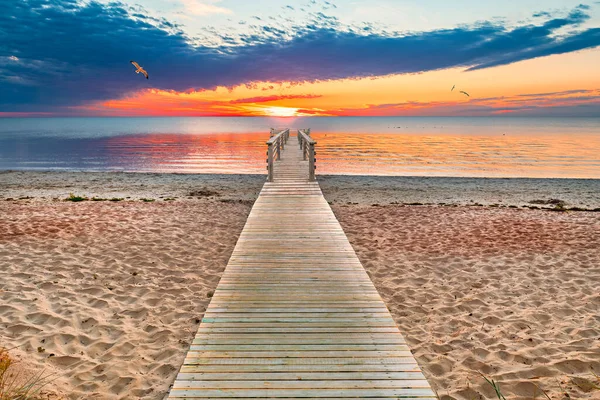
[[505, 146]]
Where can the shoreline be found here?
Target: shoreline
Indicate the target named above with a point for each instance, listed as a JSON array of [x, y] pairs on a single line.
[[362, 189]]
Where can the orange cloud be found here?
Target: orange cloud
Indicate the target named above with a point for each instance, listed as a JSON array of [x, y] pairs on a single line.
[[517, 88]]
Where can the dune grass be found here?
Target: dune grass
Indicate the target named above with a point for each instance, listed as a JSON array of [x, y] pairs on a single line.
[[75, 199], [14, 386]]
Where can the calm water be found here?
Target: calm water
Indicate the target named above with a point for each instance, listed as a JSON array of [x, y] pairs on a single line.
[[419, 146]]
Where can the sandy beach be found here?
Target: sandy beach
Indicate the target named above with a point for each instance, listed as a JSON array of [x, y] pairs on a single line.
[[513, 294], [107, 295]]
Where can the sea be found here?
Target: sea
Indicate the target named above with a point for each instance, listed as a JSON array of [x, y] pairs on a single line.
[[500, 146]]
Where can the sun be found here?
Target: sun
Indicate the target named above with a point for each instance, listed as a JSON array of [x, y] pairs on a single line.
[[281, 111]]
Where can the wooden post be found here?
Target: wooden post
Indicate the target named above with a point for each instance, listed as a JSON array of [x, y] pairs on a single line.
[[278, 143], [304, 148], [311, 162], [270, 162]]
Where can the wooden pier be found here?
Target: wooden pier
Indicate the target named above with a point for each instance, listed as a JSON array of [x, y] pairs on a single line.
[[295, 314]]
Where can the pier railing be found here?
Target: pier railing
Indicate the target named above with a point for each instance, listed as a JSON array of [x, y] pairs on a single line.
[[307, 145], [276, 143]]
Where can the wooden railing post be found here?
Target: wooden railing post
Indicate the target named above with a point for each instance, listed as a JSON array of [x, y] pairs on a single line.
[[304, 148], [311, 162], [270, 162]]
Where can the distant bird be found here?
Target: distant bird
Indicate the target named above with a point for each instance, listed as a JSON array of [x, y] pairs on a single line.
[[453, 88], [139, 69], [463, 92]]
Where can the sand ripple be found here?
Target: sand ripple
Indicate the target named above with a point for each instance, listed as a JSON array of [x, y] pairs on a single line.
[[109, 295], [512, 294]]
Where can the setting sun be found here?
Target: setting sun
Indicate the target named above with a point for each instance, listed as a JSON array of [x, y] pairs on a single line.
[[281, 111]]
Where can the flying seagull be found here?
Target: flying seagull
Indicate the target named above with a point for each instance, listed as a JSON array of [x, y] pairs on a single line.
[[463, 92], [453, 88], [139, 69]]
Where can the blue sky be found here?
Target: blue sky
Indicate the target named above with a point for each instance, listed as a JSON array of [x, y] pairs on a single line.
[[62, 54]]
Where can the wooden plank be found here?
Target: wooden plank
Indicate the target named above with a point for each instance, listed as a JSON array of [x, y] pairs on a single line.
[[302, 384], [400, 393], [303, 376], [295, 314], [299, 368]]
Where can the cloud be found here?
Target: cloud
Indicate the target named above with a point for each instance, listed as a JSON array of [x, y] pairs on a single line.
[[198, 7], [585, 103], [72, 53], [266, 99]]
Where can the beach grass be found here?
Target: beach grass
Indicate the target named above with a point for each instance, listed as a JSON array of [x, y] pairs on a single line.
[[14, 386], [75, 198]]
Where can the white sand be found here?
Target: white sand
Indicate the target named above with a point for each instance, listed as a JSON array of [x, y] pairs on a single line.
[[584, 193], [510, 293], [111, 293]]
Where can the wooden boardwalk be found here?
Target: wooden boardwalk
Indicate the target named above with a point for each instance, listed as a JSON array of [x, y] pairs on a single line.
[[295, 315]]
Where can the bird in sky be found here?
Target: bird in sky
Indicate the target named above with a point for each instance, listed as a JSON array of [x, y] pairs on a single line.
[[463, 92], [452, 88], [139, 69]]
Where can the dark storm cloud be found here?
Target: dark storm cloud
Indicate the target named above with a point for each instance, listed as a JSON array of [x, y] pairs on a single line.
[[60, 52]]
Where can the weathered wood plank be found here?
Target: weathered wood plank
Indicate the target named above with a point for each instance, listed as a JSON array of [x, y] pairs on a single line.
[[400, 393], [295, 314]]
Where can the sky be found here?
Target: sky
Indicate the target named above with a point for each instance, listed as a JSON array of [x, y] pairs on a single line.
[[289, 58]]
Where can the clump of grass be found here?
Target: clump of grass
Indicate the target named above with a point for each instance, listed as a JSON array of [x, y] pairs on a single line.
[[560, 207], [74, 198], [147, 200], [203, 193], [495, 386], [116, 199], [554, 202], [13, 386], [98, 199], [170, 199], [587, 385], [414, 204]]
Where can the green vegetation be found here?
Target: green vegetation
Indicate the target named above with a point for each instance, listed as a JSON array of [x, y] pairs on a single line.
[[74, 198], [117, 199], [496, 387], [147, 200], [98, 199], [13, 386]]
